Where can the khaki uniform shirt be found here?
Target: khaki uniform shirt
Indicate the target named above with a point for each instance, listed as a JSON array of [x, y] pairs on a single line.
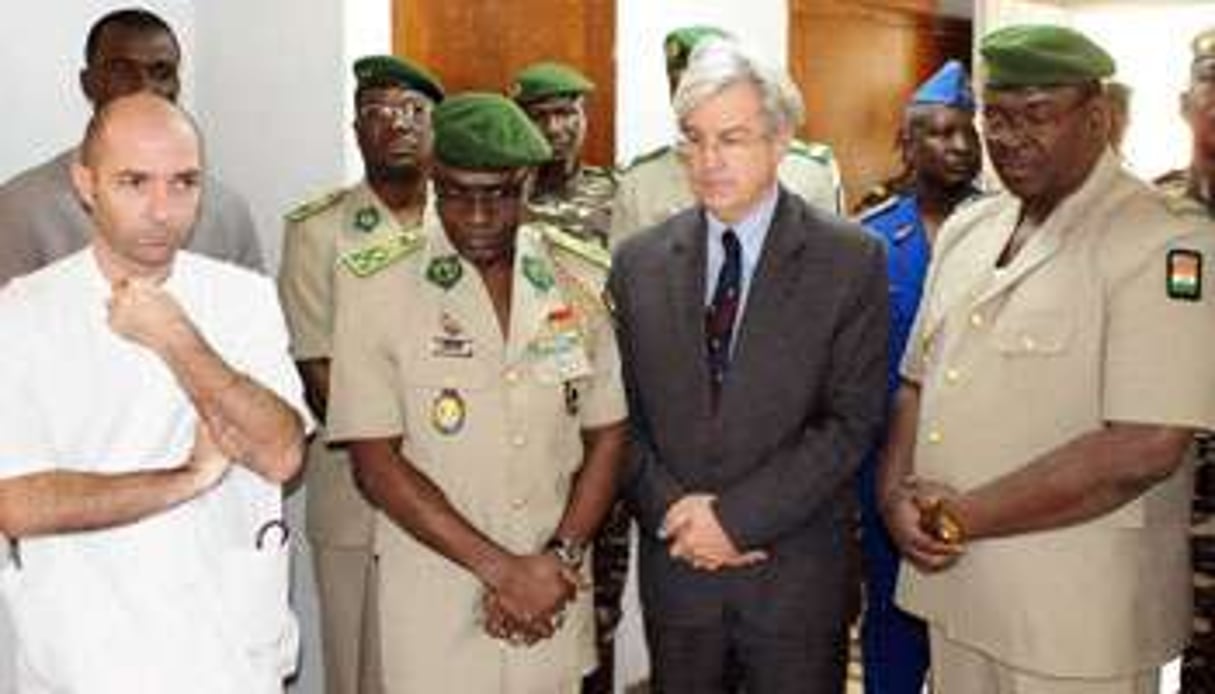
[[495, 423], [584, 210], [1104, 316], [655, 186], [316, 234]]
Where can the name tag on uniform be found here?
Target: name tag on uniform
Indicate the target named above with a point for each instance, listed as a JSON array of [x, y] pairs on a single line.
[[451, 347]]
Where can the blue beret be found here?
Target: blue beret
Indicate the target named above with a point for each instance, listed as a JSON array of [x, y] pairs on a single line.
[[948, 86]]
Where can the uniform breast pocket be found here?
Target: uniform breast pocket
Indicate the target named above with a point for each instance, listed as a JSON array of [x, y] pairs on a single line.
[[442, 394], [1035, 333]]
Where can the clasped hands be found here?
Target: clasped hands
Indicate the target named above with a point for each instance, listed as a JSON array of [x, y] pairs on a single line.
[[906, 512], [529, 601], [694, 535]]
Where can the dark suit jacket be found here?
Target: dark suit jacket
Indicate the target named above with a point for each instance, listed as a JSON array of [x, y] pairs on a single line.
[[801, 405]]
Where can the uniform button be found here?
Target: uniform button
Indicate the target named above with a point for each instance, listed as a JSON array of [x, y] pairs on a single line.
[[1028, 343], [952, 375], [512, 376], [518, 440], [976, 319], [934, 436], [518, 504]]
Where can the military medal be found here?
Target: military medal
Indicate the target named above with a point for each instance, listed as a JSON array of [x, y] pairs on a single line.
[[447, 412], [445, 271], [366, 219], [1184, 276]]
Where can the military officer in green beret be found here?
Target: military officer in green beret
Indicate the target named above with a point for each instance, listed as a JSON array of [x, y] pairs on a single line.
[[1037, 471], [477, 384], [654, 185], [567, 193], [1191, 191], [393, 102]]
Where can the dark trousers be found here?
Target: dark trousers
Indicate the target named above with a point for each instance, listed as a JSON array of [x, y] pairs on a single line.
[[894, 644], [709, 660]]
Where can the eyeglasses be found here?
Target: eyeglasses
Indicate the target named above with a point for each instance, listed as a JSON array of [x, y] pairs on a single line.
[[1034, 120], [408, 112], [730, 145]]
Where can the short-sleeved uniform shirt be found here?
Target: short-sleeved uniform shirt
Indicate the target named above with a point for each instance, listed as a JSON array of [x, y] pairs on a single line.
[[655, 186], [186, 600], [495, 422], [1105, 315]]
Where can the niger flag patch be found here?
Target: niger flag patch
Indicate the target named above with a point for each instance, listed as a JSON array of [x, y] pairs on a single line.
[[1184, 274]]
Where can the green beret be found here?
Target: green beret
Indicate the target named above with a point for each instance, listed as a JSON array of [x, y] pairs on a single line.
[[380, 70], [679, 43], [478, 130], [542, 80], [1030, 55]]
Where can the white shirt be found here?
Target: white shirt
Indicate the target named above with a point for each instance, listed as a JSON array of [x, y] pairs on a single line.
[[180, 601]]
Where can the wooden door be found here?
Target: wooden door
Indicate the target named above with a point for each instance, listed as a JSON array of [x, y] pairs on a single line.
[[480, 44], [857, 62]]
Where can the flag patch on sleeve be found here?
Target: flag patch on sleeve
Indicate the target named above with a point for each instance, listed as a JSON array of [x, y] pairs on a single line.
[[1184, 274]]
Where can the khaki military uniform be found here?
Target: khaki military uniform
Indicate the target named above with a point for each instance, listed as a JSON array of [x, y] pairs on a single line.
[[339, 521], [655, 186], [585, 208], [1105, 315], [495, 423]]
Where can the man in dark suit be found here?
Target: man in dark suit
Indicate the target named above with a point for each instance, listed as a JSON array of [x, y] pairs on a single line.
[[753, 334]]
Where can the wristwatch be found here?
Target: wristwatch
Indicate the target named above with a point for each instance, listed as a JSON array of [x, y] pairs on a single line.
[[568, 551]]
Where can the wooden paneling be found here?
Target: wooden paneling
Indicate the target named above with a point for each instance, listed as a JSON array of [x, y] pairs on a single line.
[[480, 44], [857, 62]]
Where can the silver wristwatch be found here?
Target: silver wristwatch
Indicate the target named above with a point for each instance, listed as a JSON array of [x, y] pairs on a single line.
[[568, 551]]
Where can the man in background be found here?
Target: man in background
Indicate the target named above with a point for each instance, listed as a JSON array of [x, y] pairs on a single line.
[[941, 157], [41, 219], [654, 186], [334, 234], [574, 196]]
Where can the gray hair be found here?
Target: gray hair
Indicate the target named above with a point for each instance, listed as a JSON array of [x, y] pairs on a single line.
[[717, 64]]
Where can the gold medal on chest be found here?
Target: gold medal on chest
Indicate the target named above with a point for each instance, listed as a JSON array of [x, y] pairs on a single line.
[[447, 412]]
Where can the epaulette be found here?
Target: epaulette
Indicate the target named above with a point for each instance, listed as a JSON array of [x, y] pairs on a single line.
[[1172, 177], [881, 207], [370, 259], [587, 250], [812, 150], [647, 156], [323, 202]]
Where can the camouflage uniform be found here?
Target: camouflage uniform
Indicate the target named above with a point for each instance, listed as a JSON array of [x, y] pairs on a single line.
[[1198, 664], [585, 210]]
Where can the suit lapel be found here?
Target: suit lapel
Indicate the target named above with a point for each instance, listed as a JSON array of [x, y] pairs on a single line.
[[686, 291]]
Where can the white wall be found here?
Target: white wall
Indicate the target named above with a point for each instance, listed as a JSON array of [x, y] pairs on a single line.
[[643, 113]]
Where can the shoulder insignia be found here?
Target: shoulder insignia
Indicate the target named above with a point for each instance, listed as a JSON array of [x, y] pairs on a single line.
[[587, 250], [608, 172], [305, 210], [647, 156], [812, 150], [882, 207], [370, 259], [1172, 177]]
